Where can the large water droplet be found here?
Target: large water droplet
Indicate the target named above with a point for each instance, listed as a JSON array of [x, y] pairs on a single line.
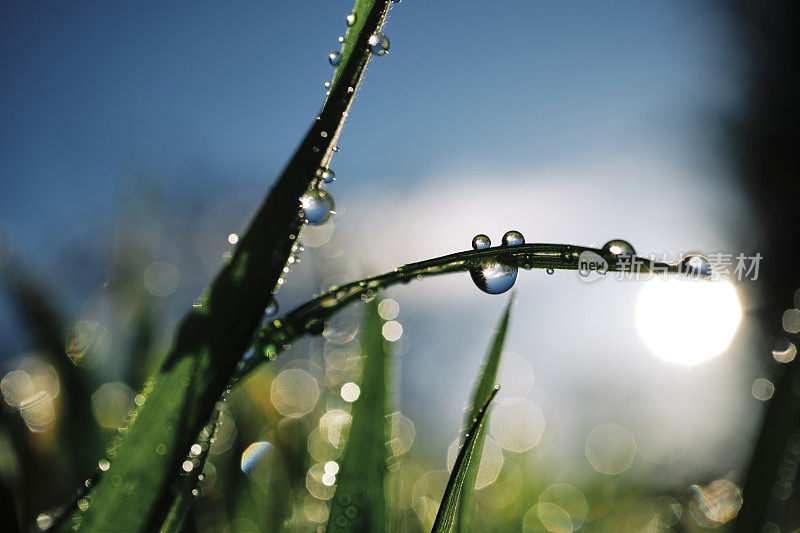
[[317, 206], [378, 44], [695, 265], [325, 174], [334, 58], [493, 277], [481, 242], [513, 238], [619, 247]]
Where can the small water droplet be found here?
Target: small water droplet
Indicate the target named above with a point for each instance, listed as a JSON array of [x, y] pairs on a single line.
[[351, 19], [481, 241], [323, 134], [104, 464], [550, 271], [378, 44], [619, 247], [336, 149], [493, 277], [513, 238], [195, 492], [341, 39], [327, 175], [695, 265], [271, 309], [327, 86], [317, 206], [334, 58], [44, 521]]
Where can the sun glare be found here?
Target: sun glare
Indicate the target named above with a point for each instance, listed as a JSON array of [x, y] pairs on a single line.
[[687, 321]]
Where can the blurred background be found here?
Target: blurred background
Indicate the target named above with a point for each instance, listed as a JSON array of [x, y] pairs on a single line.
[[137, 139]]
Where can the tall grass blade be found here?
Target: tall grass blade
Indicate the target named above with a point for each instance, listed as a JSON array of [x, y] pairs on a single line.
[[484, 387], [359, 503], [213, 336], [466, 461]]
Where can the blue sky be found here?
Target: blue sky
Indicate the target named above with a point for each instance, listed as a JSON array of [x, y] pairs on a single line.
[[217, 96]]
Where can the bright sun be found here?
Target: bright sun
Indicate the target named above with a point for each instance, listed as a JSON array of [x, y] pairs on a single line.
[[687, 321]]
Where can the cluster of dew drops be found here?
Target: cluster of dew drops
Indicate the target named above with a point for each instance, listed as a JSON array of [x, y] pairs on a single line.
[[496, 276], [316, 205]]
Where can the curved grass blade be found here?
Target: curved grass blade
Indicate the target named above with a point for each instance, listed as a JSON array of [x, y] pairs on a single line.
[[361, 481], [214, 335], [466, 462], [309, 317], [484, 387]]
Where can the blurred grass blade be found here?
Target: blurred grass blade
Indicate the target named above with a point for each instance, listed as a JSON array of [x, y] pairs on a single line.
[[466, 461], [484, 387], [309, 317], [211, 339], [359, 503], [173, 523]]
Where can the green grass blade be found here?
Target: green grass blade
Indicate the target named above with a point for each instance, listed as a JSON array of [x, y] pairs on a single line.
[[137, 492], [359, 503], [466, 462], [484, 387], [309, 317]]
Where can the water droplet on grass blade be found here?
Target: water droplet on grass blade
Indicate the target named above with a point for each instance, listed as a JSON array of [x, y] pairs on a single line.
[[619, 247], [513, 238], [481, 242], [326, 175], [351, 19], [550, 271], [334, 58], [378, 44], [493, 277], [317, 206], [271, 309], [695, 265]]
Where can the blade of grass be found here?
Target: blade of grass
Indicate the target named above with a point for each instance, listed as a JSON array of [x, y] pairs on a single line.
[[361, 479], [484, 387], [213, 336], [466, 461], [275, 336]]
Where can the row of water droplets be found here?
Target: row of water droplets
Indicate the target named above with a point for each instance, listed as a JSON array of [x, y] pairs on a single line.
[[316, 204], [497, 275]]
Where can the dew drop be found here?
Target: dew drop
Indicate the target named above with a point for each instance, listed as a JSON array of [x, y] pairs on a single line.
[[351, 19], [341, 39], [334, 58], [317, 206], [327, 175], [695, 265], [493, 277], [271, 309], [378, 44], [104, 464], [327, 86], [619, 247], [513, 238], [550, 271], [44, 521], [481, 242]]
